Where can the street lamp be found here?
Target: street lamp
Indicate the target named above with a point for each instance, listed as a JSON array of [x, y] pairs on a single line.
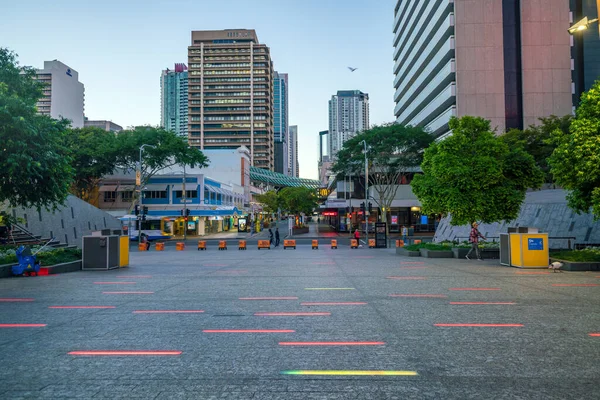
[[184, 198], [139, 182], [367, 191], [585, 22]]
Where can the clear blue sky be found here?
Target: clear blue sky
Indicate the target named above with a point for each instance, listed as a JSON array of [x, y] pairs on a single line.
[[120, 47]]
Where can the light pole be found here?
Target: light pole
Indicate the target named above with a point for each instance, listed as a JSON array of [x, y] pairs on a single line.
[[141, 210], [366, 193], [584, 23], [184, 198]]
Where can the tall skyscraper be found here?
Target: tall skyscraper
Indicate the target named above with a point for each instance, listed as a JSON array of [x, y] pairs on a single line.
[[231, 93], [508, 61], [348, 115], [63, 94], [280, 117], [174, 99], [294, 166]]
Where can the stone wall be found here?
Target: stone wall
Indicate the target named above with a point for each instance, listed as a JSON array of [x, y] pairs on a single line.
[[67, 224], [546, 210]]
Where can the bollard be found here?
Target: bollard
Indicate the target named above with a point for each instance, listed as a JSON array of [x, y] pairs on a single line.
[[371, 243], [201, 244], [400, 243], [159, 246], [264, 244], [289, 243], [334, 243], [242, 245], [180, 246], [315, 244], [142, 247], [417, 241], [222, 245], [353, 244]]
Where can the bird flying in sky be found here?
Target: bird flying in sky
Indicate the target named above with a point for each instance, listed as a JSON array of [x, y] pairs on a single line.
[[352, 69]]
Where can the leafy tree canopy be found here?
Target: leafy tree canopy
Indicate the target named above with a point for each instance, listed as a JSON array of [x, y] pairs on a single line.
[[575, 163], [536, 140], [270, 200], [298, 200], [35, 164], [474, 175]]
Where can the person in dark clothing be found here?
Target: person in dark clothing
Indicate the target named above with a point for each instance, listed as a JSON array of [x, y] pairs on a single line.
[[270, 236], [276, 237]]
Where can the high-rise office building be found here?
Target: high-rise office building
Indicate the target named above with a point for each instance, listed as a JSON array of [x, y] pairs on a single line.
[[293, 165], [230, 98], [280, 118], [63, 94], [508, 61], [348, 115], [174, 99], [586, 48]]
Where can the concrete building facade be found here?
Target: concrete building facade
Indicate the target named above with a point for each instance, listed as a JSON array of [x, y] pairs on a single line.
[[281, 118], [294, 166], [174, 100], [348, 115], [505, 60], [230, 94], [108, 126], [63, 94]]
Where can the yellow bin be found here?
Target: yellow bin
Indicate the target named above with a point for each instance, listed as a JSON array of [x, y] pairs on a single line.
[[123, 251], [529, 250]]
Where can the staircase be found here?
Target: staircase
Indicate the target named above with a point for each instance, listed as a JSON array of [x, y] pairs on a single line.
[[21, 236]]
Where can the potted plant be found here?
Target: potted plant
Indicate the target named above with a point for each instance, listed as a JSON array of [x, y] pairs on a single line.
[[409, 251], [587, 259], [436, 250]]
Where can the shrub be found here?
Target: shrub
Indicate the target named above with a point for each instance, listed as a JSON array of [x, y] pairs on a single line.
[[48, 256], [585, 255]]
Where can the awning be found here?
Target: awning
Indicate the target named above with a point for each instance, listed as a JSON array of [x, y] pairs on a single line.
[[107, 188], [155, 188], [188, 186], [126, 188]]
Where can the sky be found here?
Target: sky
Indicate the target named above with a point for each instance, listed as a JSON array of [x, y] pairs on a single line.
[[119, 49]]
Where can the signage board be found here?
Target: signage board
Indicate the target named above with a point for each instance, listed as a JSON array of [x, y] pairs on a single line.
[[535, 244], [380, 235]]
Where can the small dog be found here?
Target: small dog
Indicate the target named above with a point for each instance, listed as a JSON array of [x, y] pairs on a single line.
[[556, 266]]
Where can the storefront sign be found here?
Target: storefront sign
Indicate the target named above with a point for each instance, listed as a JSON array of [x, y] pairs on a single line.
[[330, 214], [535, 244]]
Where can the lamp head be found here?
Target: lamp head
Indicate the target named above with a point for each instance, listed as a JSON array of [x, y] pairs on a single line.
[[579, 26]]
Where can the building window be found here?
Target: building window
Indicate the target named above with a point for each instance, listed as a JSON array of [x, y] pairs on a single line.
[[127, 196], [155, 194], [110, 197], [189, 194]]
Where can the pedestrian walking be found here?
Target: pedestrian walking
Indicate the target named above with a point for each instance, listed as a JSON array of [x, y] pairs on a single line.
[[276, 237], [405, 235], [357, 237], [474, 239], [270, 236]]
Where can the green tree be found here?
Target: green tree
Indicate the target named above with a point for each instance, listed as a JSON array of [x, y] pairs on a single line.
[[270, 200], [393, 151], [474, 176], [93, 153], [575, 163], [298, 200], [536, 140], [35, 164]]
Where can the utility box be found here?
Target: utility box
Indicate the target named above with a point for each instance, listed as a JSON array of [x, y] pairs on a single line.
[[526, 248], [101, 252]]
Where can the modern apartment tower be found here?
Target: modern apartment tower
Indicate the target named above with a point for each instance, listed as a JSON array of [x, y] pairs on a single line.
[[174, 99], [63, 94], [293, 164], [280, 117], [230, 94], [508, 61], [348, 115]]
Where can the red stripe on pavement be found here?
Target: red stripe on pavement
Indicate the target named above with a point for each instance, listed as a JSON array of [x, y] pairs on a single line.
[[481, 325], [22, 325], [268, 298], [474, 289], [595, 334], [168, 311], [133, 276], [248, 331], [8, 299], [126, 353], [419, 295], [291, 314], [92, 307], [331, 343], [333, 303], [480, 302]]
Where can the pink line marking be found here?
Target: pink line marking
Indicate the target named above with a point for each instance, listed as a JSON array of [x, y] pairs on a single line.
[[22, 325], [481, 325], [248, 331], [127, 292], [133, 276], [268, 298], [340, 303], [126, 353], [419, 295], [167, 311], [595, 334], [83, 307], [474, 289], [291, 314], [481, 302], [575, 284], [331, 343], [8, 299]]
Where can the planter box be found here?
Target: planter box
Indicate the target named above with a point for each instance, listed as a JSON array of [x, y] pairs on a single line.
[[6, 269], [407, 253], [577, 266], [486, 254], [299, 231], [436, 253]]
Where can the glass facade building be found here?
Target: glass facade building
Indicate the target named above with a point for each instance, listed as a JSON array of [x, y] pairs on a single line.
[[174, 100], [280, 118]]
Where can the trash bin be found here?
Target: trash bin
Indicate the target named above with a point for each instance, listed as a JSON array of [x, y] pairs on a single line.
[[101, 252]]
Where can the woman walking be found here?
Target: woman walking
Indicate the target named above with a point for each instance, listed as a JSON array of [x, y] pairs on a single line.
[[474, 239]]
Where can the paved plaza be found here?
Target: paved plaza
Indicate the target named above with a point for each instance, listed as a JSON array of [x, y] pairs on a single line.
[[301, 324]]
